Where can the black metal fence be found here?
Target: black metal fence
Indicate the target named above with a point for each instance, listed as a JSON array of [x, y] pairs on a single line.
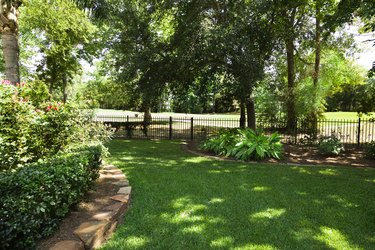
[[354, 132]]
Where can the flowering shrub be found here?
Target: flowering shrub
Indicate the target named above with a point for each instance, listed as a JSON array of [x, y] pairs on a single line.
[[29, 132]]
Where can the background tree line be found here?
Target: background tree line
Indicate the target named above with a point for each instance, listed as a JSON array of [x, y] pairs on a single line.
[[287, 59]]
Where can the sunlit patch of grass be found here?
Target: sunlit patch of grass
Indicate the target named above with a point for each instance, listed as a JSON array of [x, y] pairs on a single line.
[[269, 213], [260, 189], [255, 247], [180, 201], [328, 171], [333, 238], [222, 242]]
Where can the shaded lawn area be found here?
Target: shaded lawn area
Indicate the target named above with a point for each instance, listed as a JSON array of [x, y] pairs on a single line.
[[181, 201]]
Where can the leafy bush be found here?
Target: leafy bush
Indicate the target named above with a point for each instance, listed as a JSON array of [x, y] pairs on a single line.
[[370, 150], [257, 146], [245, 144], [34, 198], [222, 143], [29, 133], [330, 145]]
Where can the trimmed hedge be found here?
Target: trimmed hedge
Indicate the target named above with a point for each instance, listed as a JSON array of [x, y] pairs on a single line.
[[34, 198]]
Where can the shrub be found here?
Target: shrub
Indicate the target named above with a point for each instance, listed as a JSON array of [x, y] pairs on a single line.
[[245, 144], [29, 133], [370, 150], [330, 145], [34, 198], [222, 143], [257, 146]]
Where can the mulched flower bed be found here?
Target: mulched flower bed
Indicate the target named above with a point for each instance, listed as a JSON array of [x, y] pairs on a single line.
[[297, 154]]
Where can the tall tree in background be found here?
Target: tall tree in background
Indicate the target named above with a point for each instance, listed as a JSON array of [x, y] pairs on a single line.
[[292, 17], [9, 38], [62, 33]]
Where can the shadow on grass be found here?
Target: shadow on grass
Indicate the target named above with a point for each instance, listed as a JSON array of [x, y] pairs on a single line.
[[182, 201]]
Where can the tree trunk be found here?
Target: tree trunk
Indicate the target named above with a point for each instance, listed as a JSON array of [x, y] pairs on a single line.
[[314, 112], [317, 47], [250, 109], [147, 115], [291, 99], [11, 56], [242, 114]]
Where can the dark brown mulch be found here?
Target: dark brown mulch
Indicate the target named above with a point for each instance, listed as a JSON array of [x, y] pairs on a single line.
[[297, 154]]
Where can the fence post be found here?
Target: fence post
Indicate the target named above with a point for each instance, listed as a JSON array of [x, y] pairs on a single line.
[[170, 128], [127, 118], [192, 129], [359, 132]]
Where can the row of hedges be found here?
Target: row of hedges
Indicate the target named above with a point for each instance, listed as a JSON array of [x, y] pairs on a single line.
[[34, 198]]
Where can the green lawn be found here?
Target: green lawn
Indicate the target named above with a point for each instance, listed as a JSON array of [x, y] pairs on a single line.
[[112, 112], [346, 115], [181, 201]]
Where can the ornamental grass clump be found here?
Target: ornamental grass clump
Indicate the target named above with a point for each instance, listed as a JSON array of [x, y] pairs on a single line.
[[245, 144]]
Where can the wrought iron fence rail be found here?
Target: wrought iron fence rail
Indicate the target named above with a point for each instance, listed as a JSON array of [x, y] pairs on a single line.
[[354, 132]]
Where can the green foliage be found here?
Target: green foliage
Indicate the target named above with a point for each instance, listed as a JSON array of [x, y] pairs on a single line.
[[34, 198], [223, 143], [370, 150], [245, 144], [62, 34], [35, 91], [330, 145], [28, 134], [256, 145]]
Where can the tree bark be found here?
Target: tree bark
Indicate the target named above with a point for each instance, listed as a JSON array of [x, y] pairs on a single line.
[[242, 114], [11, 56], [250, 109], [147, 115], [317, 47], [314, 113], [291, 99]]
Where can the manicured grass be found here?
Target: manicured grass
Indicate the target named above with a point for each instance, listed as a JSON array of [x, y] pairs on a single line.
[[345, 115], [327, 115], [181, 201]]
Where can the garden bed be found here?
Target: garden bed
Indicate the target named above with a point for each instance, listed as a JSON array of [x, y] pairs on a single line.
[[297, 154]]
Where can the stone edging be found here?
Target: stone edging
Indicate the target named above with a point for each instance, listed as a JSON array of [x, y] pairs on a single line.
[[95, 231]]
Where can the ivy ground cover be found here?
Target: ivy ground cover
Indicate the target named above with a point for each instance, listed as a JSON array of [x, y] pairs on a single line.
[[181, 201]]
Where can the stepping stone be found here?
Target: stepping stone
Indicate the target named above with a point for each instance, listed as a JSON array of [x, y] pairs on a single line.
[[92, 233], [68, 245], [125, 190], [109, 167], [111, 172], [116, 176], [121, 197], [122, 183], [107, 215], [117, 209]]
